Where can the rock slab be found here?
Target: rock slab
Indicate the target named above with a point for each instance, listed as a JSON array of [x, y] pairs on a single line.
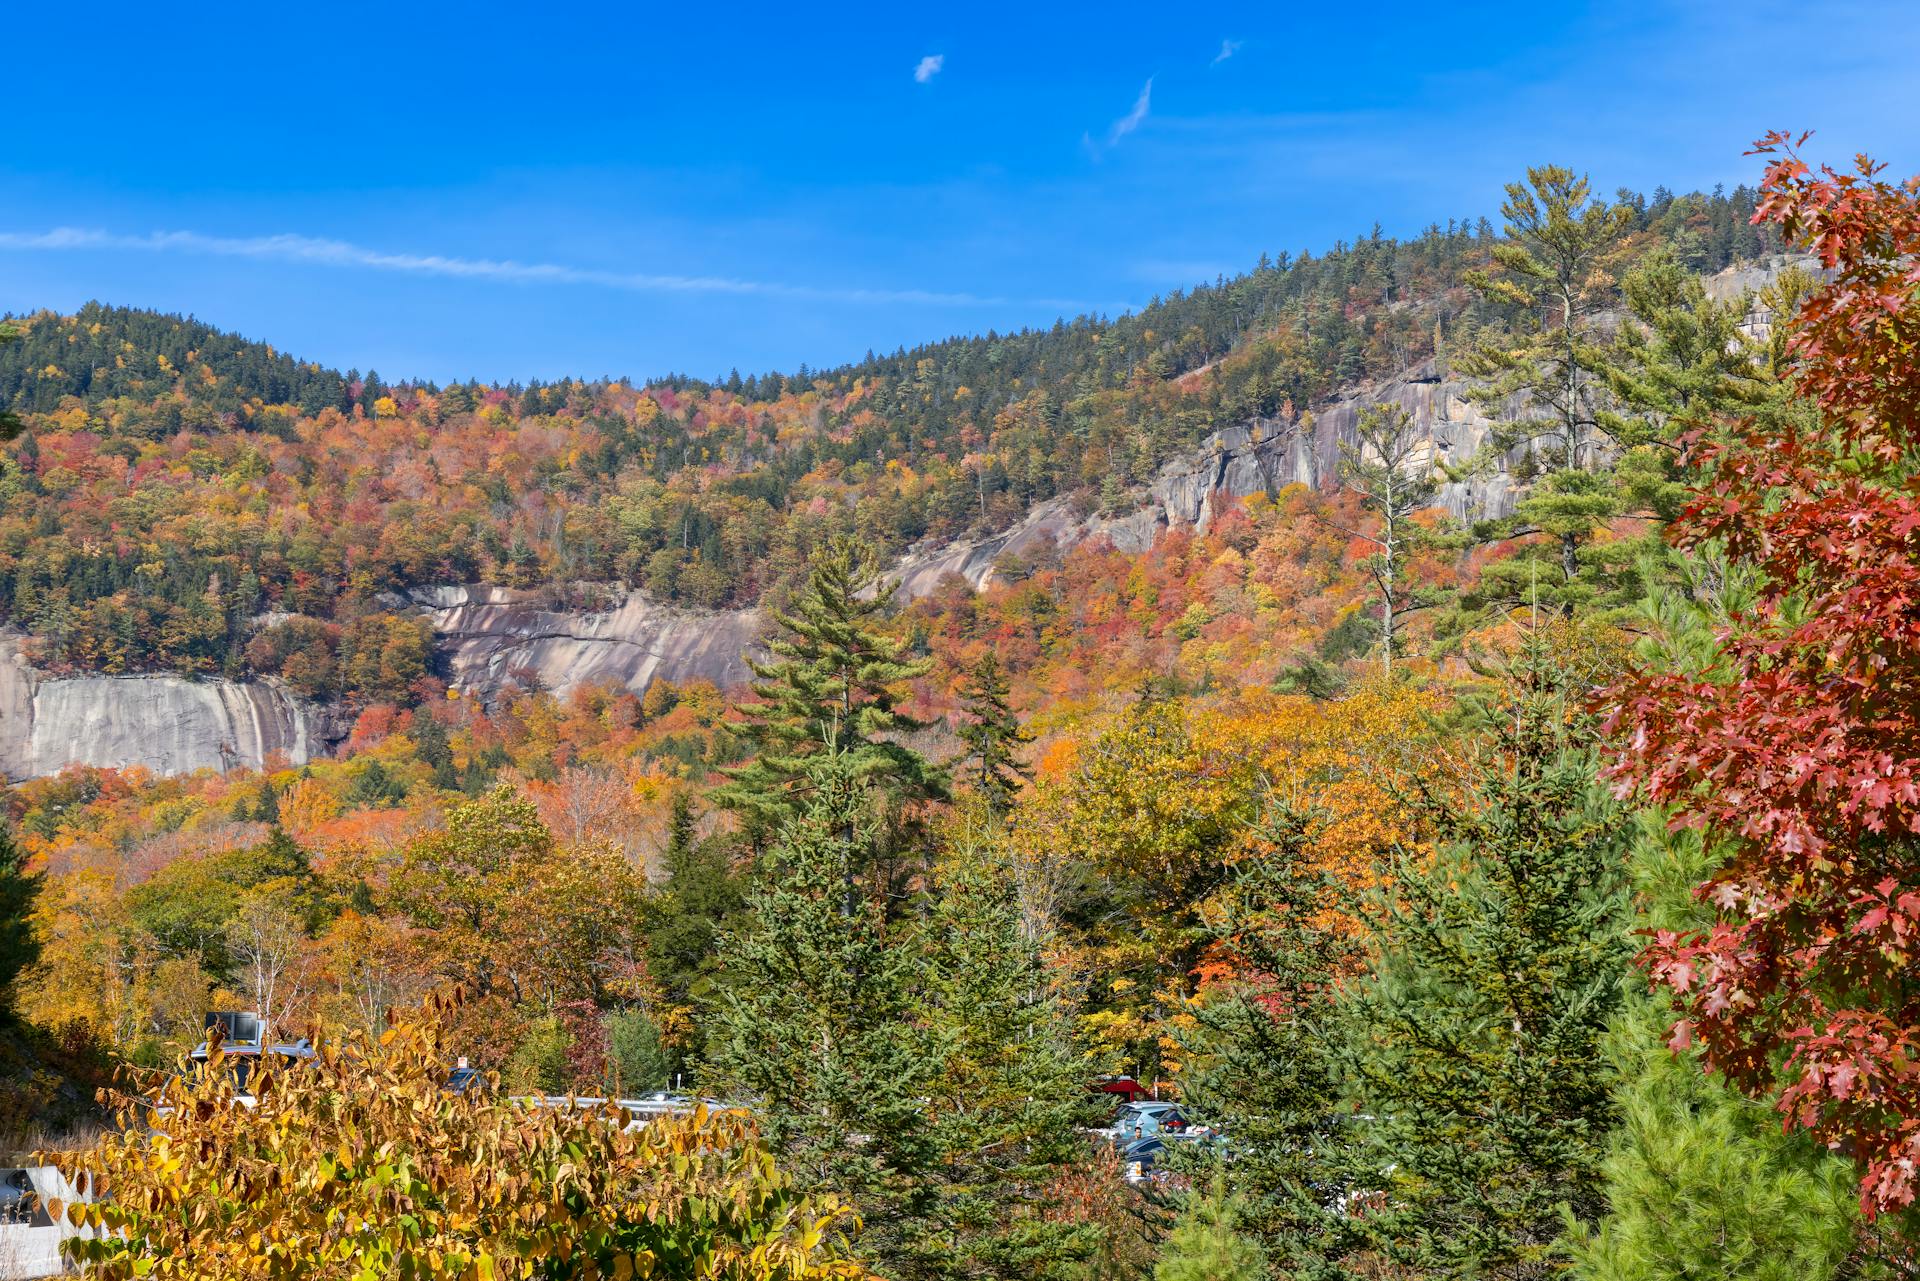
[[167, 724], [491, 638]]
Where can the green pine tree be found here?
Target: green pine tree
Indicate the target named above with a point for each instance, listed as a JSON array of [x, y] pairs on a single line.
[[993, 735], [1207, 1243], [1679, 359], [813, 1023], [1548, 373], [17, 890], [700, 896], [1009, 1093], [1474, 1052], [834, 679], [1702, 1184], [1554, 273], [1391, 470], [1261, 1054], [10, 422]]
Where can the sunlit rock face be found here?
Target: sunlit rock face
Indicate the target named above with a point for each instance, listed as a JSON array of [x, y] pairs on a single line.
[[1262, 456], [491, 638], [168, 724]]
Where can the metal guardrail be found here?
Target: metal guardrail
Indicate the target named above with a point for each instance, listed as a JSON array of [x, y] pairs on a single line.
[[29, 1237]]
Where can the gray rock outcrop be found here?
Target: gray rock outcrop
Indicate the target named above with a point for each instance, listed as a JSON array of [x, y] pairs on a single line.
[[491, 637], [168, 724], [1261, 456]]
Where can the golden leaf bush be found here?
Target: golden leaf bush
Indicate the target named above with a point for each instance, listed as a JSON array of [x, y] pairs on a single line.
[[360, 1164]]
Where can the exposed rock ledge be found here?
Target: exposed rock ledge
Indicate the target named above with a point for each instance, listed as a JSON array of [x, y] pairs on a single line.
[[1262, 456], [490, 636], [169, 724]]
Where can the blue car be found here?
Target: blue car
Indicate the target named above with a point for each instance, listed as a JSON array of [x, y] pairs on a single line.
[[1147, 1118]]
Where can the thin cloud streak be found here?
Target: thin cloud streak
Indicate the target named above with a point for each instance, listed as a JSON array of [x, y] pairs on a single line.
[[1227, 49], [339, 253], [1128, 123], [929, 67]]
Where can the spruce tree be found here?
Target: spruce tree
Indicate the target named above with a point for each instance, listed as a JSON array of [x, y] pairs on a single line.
[[993, 735], [700, 895], [17, 891], [1009, 1093], [834, 679], [1207, 1243], [1260, 1052], [1474, 1048], [267, 808], [813, 1024], [430, 745]]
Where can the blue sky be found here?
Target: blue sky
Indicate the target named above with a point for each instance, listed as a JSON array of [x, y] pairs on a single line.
[[505, 192]]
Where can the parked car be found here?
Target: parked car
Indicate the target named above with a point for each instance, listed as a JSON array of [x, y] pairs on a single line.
[[242, 1045], [1147, 1118], [1143, 1160]]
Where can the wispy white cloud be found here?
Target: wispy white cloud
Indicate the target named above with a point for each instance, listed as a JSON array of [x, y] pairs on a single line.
[[1132, 120], [1227, 49], [929, 67], [321, 252]]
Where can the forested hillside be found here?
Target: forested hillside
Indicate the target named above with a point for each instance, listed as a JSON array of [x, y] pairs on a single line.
[[1509, 898], [175, 483]]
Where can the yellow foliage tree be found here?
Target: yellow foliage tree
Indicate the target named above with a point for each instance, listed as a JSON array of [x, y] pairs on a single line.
[[361, 1164]]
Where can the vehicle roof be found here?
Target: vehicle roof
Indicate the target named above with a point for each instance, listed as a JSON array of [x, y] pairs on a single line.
[[286, 1049]]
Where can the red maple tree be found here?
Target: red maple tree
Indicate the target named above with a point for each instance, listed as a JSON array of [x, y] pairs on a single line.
[[1800, 751]]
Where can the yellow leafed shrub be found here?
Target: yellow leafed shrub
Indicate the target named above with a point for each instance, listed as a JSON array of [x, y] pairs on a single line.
[[360, 1164]]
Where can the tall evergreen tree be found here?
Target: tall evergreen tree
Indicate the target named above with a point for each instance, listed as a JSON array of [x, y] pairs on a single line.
[[1475, 1044], [1553, 271], [814, 1024], [1391, 469], [1008, 1092], [1261, 1052], [17, 890], [993, 735], [10, 423], [700, 895], [834, 679], [435, 752], [1547, 375]]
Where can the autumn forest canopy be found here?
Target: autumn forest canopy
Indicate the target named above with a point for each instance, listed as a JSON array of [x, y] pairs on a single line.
[[1488, 848]]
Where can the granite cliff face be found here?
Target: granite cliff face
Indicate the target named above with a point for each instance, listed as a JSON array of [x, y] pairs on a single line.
[[1261, 456], [1265, 455], [168, 724], [491, 637]]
